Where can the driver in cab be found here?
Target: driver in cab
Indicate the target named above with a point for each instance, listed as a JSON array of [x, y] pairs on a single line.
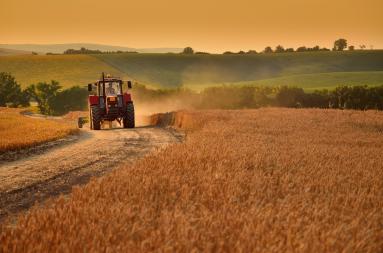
[[110, 91]]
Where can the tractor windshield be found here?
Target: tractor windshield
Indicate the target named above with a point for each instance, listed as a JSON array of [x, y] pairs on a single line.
[[112, 89]]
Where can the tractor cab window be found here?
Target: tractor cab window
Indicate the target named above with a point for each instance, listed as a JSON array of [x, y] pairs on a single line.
[[112, 89]]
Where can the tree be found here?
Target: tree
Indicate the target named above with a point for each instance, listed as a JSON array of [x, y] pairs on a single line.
[[340, 96], [301, 49], [268, 50], [351, 48], [362, 47], [279, 49], [251, 52], [188, 50], [10, 92], [340, 44], [44, 94], [289, 50]]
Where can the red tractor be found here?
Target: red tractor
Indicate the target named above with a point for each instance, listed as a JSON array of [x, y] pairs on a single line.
[[110, 103]]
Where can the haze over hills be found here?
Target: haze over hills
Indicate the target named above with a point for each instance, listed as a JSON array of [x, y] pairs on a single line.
[[309, 70], [60, 48], [305, 69]]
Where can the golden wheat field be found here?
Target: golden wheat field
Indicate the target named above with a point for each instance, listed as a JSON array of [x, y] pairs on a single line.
[[267, 180], [18, 131]]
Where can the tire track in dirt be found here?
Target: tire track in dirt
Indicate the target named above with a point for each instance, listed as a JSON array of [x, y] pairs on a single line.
[[38, 177]]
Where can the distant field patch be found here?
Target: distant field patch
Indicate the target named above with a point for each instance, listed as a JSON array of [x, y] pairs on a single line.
[[311, 82], [18, 131], [327, 80]]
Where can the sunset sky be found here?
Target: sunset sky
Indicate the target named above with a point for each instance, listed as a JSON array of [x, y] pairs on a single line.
[[214, 26]]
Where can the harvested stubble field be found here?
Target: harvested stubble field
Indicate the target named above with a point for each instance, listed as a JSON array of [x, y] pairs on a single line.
[[18, 131], [268, 180]]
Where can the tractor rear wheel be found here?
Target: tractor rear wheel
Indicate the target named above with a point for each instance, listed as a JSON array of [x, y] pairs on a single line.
[[129, 116], [95, 118], [90, 120]]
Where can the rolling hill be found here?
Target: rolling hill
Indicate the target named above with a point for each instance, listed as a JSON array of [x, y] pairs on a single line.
[[5, 51], [310, 70], [69, 70]]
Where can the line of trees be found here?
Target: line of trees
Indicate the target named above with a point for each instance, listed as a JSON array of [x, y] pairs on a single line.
[[53, 100], [339, 45], [281, 49], [84, 50], [238, 97], [342, 97]]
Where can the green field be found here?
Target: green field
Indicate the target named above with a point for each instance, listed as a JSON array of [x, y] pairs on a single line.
[[69, 70], [311, 82], [310, 70], [326, 80]]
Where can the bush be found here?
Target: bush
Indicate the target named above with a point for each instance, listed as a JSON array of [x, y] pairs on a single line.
[[290, 96], [72, 99]]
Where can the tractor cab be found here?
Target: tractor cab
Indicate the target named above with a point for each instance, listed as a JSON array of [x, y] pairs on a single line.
[[113, 89], [108, 103]]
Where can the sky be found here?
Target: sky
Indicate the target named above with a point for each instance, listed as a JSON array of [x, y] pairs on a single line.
[[213, 26]]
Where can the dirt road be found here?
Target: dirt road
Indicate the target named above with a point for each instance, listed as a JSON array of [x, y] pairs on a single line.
[[91, 153]]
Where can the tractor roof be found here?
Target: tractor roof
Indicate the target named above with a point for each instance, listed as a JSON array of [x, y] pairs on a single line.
[[110, 79]]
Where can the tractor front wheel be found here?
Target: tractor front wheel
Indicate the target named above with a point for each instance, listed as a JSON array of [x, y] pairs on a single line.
[[129, 116], [95, 118]]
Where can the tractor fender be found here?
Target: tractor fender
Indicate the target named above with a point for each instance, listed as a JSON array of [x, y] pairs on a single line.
[[93, 100], [127, 98]]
